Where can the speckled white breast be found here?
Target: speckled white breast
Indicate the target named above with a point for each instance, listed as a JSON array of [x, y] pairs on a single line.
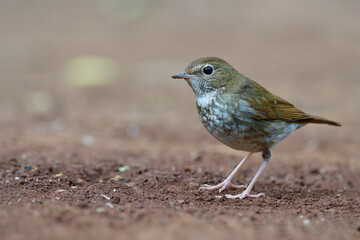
[[233, 125]]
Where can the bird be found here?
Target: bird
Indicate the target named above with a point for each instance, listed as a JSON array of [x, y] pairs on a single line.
[[241, 114]]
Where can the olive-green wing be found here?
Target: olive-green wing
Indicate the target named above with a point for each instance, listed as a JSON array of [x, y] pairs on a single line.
[[276, 108], [267, 106]]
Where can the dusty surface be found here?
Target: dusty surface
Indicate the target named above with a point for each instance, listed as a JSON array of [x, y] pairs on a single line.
[[125, 159]]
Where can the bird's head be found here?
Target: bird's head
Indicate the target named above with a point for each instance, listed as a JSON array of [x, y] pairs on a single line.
[[208, 74]]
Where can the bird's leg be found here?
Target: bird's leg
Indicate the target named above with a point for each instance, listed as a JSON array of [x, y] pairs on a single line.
[[246, 193], [227, 182]]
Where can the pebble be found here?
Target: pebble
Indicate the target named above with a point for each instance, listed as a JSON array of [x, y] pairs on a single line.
[[100, 210], [58, 175], [109, 205], [116, 177], [195, 156], [29, 168], [124, 168], [306, 222], [104, 196]]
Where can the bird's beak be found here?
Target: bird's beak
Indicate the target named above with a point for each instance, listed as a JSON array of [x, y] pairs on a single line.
[[182, 75]]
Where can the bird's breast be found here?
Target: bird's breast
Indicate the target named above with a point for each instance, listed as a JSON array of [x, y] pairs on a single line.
[[217, 115], [228, 121]]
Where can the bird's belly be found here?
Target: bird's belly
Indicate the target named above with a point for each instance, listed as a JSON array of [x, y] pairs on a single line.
[[245, 133], [233, 135]]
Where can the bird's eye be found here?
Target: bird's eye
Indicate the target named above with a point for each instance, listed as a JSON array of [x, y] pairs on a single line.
[[208, 70]]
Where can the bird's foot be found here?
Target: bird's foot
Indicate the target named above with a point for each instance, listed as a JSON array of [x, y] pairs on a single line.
[[244, 195], [222, 186]]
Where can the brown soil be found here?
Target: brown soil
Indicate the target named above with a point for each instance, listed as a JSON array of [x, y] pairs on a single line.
[[127, 160]]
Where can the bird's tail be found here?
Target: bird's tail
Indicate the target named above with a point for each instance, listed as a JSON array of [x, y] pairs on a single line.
[[321, 120]]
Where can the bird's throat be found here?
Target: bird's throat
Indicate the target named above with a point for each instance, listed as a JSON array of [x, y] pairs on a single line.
[[200, 87]]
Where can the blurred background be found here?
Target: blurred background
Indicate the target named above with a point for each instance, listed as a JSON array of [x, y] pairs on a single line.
[[86, 94], [87, 68]]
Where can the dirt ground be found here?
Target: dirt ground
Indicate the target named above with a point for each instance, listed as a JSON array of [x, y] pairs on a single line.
[[122, 155]]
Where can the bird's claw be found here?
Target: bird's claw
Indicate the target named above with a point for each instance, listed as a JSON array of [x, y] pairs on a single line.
[[221, 186], [244, 195]]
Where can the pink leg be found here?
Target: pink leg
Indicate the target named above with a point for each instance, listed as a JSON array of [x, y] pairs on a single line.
[[246, 193], [227, 182]]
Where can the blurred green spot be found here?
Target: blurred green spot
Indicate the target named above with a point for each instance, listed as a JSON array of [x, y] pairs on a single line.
[[90, 71], [38, 102]]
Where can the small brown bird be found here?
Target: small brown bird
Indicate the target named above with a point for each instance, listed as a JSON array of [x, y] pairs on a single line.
[[241, 114]]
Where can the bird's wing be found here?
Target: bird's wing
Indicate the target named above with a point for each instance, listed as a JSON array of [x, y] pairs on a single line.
[[258, 103], [263, 105], [275, 108]]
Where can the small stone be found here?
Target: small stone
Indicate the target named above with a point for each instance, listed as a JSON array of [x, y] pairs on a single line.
[[306, 222], [29, 168], [116, 177], [58, 175], [195, 156], [109, 205], [100, 210], [127, 180], [124, 168], [104, 196]]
